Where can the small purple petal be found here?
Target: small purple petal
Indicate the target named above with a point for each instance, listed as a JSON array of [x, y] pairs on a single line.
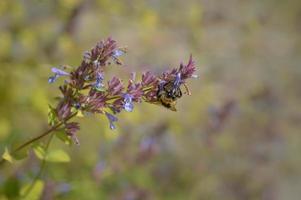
[[52, 79], [128, 107], [118, 53], [59, 72], [111, 119], [177, 80], [128, 103], [99, 78]]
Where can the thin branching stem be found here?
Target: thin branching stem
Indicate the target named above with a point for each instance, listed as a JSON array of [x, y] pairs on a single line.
[[53, 128]]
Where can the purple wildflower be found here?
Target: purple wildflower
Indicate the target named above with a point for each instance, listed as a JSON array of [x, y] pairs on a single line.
[[85, 90], [111, 119]]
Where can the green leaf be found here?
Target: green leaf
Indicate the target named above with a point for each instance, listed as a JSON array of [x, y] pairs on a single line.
[[35, 190], [7, 156], [57, 155], [21, 154], [64, 137], [54, 155], [39, 151]]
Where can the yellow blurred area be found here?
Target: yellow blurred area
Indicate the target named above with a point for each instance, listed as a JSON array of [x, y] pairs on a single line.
[[5, 128]]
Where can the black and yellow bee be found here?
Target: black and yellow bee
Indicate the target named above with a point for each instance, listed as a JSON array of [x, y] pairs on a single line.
[[168, 93]]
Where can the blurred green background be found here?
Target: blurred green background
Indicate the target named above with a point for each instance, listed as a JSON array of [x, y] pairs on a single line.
[[236, 137]]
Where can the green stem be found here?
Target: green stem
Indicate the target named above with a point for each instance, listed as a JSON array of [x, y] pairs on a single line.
[[53, 128], [43, 164]]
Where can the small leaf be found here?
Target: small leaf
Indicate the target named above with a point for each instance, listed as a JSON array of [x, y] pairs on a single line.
[[21, 154], [57, 155], [79, 114], [39, 151], [7, 156], [35, 192], [64, 137]]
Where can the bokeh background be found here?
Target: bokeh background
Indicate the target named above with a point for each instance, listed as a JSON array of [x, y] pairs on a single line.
[[236, 137]]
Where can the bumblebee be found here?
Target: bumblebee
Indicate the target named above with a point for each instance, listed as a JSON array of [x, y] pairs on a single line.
[[168, 93]]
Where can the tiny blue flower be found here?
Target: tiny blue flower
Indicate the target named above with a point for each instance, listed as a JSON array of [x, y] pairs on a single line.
[[52, 79], [111, 119], [128, 103], [99, 78], [117, 53], [57, 73]]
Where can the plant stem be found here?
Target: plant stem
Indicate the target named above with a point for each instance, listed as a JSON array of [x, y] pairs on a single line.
[[118, 96], [53, 128], [39, 174]]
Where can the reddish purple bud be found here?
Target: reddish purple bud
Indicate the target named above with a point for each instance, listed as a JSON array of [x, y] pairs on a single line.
[[148, 79], [71, 129], [136, 90], [187, 70], [64, 111], [115, 86]]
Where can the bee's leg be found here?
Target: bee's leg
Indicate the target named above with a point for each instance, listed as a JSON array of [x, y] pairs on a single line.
[[187, 89], [153, 102]]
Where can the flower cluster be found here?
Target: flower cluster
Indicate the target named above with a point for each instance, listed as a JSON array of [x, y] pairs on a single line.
[[86, 91]]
